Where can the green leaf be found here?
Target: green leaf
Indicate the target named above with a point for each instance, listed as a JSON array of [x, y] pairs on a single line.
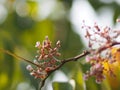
[[92, 85], [116, 14], [96, 4], [79, 82], [62, 86], [67, 3]]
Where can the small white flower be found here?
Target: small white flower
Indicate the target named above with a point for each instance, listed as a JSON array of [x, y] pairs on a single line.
[[35, 61], [118, 20], [37, 44], [58, 42], [29, 67], [32, 73]]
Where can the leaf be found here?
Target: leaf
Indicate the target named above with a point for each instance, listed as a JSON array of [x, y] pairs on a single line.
[[96, 4], [67, 3], [62, 86], [79, 82], [116, 13], [91, 85]]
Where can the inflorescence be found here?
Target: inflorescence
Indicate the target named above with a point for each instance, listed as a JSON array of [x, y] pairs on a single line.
[[103, 54], [46, 60]]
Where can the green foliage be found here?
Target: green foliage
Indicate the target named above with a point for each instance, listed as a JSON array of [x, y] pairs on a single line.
[[62, 86]]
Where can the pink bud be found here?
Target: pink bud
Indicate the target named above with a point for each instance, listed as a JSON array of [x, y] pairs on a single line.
[[88, 58], [47, 69], [98, 65], [55, 49], [85, 77], [46, 56]]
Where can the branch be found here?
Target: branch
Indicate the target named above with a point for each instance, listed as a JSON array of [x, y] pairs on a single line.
[[102, 48], [18, 57]]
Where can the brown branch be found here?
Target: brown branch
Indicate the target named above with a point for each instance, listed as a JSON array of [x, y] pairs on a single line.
[[102, 48], [18, 57]]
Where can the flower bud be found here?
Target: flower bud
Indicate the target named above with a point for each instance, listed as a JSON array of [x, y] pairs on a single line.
[[37, 44], [118, 20], [58, 43], [88, 58], [85, 77], [35, 61], [48, 69], [98, 65], [29, 67]]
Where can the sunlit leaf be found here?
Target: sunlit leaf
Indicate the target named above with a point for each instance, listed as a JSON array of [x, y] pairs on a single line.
[[62, 86]]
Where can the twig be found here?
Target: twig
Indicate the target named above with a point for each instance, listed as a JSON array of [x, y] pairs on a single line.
[[18, 57], [107, 46]]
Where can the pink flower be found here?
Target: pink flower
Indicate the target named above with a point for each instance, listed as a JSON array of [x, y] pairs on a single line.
[[98, 65], [85, 77], [88, 58]]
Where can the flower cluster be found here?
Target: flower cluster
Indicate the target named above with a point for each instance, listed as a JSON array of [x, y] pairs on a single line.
[[103, 54], [46, 60], [98, 36]]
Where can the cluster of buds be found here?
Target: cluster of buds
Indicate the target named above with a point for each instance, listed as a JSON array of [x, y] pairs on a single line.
[[46, 60], [99, 36], [104, 51]]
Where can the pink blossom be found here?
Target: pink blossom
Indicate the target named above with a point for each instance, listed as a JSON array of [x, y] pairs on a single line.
[[85, 77], [98, 65], [88, 58]]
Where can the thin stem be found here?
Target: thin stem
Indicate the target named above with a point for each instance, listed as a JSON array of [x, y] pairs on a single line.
[[18, 57], [84, 53], [102, 48]]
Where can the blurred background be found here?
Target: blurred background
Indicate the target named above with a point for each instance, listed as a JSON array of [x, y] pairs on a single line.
[[23, 22]]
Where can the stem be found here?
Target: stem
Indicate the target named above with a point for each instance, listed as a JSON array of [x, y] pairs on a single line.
[[18, 57], [102, 48]]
